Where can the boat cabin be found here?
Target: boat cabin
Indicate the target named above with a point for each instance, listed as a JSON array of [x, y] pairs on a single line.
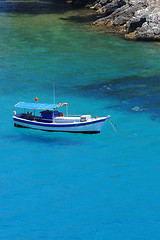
[[47, 115]]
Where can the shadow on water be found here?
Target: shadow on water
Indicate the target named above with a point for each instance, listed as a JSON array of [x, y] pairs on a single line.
[[34, 7], [134, 93], [34, 136], [81, 19]]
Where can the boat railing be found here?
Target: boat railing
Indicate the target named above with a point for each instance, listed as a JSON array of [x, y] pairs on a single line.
[[36, 117], [73, 115]]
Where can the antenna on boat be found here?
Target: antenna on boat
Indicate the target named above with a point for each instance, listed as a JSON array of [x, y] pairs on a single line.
[[53, 92]]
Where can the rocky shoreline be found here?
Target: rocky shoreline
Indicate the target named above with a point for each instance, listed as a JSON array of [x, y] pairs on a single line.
[[134, 19]]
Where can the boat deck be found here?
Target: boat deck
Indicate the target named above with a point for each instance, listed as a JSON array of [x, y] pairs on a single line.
[[69, 119]]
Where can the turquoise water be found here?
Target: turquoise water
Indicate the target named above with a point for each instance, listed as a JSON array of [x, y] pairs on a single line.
[[74, 186]]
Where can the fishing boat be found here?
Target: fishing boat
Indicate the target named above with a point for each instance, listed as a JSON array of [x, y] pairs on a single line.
[[47, 117]]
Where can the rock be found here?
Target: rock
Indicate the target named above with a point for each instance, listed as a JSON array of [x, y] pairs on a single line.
[[111, 6], [135, 19], [150, 29], [100, 4], [145, 24], [123, 14]]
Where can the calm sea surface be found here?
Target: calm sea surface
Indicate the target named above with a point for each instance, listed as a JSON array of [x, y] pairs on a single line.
[[65, 186]]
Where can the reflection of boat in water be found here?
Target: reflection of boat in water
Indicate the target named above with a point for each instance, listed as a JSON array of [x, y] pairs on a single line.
[[50, 119]]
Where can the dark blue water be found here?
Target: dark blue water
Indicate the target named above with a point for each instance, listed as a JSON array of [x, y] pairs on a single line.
[[73, 186]]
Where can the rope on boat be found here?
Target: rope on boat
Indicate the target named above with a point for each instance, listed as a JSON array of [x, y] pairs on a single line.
[[113, 124]]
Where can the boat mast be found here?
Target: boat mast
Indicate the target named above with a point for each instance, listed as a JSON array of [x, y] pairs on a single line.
[[53, 92], [67, 110], [53, 98]]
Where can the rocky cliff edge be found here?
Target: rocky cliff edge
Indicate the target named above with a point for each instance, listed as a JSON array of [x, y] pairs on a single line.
[[139, 20]]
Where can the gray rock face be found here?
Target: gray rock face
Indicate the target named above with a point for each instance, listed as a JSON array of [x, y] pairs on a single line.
[[145, 23], [136, 19], [108, 6], [101, 4], [112, 6], [124, 13], [150, 29]]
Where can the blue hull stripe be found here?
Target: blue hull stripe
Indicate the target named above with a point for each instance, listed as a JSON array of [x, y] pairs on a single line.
[[56, 125]]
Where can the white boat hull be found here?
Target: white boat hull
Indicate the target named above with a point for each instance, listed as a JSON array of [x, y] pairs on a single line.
[[92, 126]]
